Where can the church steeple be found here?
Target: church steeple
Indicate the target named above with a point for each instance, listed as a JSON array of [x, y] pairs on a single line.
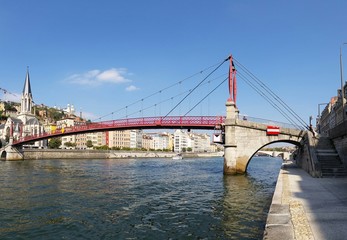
[[27, 87], [27, 98]]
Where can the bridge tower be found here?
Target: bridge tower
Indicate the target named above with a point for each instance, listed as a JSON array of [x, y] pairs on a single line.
[[230, 145], [244, 138], [230, 151]]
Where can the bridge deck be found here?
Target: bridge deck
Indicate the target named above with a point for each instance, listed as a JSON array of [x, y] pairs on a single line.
[[190, 122], [170, 122]]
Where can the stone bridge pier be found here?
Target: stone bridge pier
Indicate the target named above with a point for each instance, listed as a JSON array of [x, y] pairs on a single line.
[[9, 152], [244, 138]]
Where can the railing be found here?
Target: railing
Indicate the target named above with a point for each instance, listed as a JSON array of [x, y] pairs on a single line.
[[268, 122], [203, 122]]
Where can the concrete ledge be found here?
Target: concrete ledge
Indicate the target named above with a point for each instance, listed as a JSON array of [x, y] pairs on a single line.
[[278, 223], [280, 231]]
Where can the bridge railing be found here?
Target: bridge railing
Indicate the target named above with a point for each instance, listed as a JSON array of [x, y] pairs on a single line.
[[269, 122], [203, 122], [206, 122]]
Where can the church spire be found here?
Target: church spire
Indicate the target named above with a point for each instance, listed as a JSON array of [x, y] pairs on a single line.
[[27, 98], [27, 87]]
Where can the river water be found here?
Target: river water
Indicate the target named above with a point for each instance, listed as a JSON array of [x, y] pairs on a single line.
[[134, 199]]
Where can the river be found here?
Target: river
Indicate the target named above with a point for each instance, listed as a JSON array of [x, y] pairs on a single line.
[[134, 199]]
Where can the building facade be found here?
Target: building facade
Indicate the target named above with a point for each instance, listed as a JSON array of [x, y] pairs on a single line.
[[124, 139]]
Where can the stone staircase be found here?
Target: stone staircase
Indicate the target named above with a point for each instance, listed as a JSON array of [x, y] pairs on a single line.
[[331, 164]]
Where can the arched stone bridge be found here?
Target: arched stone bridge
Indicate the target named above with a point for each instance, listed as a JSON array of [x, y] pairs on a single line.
[[244, 138]]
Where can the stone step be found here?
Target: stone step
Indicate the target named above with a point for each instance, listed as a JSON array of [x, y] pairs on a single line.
[[334, 175], [331, 163], [330, 150], [329, 160], [328, 157], [334, 172], [325, 143], [332, 168]]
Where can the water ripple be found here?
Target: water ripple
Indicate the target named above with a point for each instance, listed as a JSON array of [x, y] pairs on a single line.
[[134, 199]]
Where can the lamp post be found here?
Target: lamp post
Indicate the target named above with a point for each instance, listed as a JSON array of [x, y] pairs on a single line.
[[342, 91]]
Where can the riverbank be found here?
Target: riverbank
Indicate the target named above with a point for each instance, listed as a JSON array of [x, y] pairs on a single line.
[[304, 207], [104, 154]]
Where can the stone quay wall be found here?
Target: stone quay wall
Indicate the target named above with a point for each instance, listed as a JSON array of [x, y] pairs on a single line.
[[103, 154], [87, 154]]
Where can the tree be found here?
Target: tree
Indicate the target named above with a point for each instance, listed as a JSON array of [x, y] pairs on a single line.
[[189, 149], [10, 107], [103, 147], [70, 144], [89, 144], [184, 149], [54, 143], [56, 115]]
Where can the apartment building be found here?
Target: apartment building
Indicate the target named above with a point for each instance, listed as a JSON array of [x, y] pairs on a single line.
[[157, 141], [124, 139], [194, 141]]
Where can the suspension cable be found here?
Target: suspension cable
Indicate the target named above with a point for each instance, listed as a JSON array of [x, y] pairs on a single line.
[[272, 94], [158, 92], [269, 100], [206, 96], [168, 99], [196, 87]]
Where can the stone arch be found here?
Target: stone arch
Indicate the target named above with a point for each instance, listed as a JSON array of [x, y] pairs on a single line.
[[3, 154], [296, 143]]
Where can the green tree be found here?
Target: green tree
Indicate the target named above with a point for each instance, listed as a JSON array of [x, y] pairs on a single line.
[[56, 114], [70, 144], [10, 107], [189, 149], [54, 143], [89, 144], [184, 149], [103, 147]]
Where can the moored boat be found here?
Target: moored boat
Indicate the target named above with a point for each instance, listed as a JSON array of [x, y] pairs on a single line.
[[177, 157]]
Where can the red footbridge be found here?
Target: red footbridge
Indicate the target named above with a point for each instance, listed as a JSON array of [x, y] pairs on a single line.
[[169, 122]]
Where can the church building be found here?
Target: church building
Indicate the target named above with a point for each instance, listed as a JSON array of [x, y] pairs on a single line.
[[25, 124]]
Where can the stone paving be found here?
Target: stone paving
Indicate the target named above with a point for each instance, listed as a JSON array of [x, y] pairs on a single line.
[[307, 208]]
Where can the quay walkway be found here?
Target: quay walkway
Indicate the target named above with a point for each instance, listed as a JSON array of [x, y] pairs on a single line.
[[304, 207]]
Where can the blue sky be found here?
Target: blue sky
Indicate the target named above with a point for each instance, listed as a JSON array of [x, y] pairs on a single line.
[[103, 55]]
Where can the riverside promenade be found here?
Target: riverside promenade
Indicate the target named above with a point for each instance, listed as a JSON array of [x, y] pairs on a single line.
[[304, 207]]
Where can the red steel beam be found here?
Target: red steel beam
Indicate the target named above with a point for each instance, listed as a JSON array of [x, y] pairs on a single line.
[[196, 122]]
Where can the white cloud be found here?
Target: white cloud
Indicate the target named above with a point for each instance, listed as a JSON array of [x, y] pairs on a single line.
[[131, 88], [97, 77]]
